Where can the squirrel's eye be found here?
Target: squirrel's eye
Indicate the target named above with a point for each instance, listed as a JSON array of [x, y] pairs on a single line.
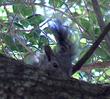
[[55, 65]]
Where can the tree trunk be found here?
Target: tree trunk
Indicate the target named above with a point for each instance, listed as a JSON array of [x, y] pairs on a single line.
[[21, 81]]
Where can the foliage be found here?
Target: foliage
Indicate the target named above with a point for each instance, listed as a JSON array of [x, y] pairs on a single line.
[[23, 26]]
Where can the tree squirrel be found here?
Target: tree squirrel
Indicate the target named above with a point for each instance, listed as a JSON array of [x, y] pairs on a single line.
[[57, 64], [66, 49]]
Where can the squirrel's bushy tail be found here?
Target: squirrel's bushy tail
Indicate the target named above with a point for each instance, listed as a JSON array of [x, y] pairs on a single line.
[[62, 35]]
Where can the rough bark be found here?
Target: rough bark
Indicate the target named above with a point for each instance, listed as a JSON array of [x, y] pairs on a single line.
[[21, 81]]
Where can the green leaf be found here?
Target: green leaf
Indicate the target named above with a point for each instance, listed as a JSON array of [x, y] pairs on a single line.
[[33, 36], [1, 1], [12, 43], [8, 39], [42, 41], [92, 18], [56, 3], [25, 23], [23, 9], [108, 72], [35, 19], [100, 52], [85, 23], [18, 25]]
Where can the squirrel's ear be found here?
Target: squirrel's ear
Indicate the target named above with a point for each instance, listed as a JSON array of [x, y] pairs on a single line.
[[48, 51]]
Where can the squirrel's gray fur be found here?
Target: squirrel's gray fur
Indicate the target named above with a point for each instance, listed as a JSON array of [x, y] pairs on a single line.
[[58, 64]]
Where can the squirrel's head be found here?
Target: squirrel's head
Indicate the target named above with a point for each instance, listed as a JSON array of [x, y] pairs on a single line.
[[57, 65]]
